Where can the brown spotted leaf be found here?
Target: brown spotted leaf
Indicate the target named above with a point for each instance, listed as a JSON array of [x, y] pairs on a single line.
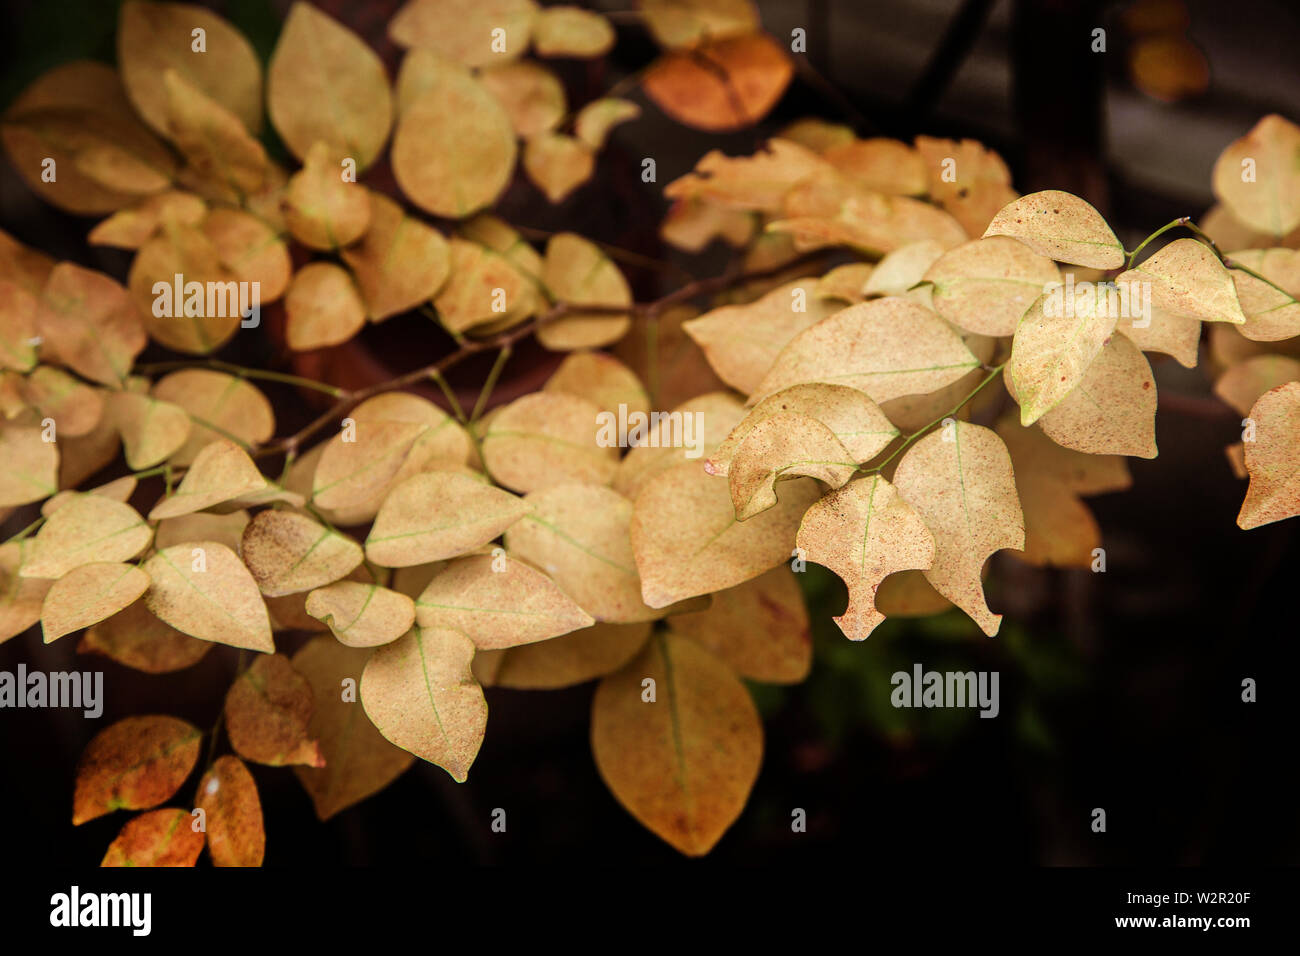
[[158, 838], [288, 553], [202, 589], [227, 795], [1273, 459], [134, 764], [267, 711]]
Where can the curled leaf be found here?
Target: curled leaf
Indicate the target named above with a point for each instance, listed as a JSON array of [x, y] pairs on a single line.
[[362, 615], [784, 446]]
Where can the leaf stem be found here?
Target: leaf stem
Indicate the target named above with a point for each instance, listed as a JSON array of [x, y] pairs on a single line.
[[485, 394]]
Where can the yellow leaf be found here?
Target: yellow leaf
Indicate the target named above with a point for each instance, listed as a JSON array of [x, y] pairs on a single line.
[[691, 224], [964, 490], [1273, 459], [1187, 279], [986, 285], [362, 615], [1243, 383], [483, 286], [571, 32], [87, 594], [324, 83], [780, 447], [31, 465], [232, 404], [17, 327], [226, 529], [760, 628], [684, 764], [1055, 344], [227, 795], [75, 406], [577, 273], [562, 661], [1271, 315], [531, 95], [321, 208], [602, 380], [216, 600], [186, 251], [90, 324], [880, 164], [20, 597], [437, 515], [759, 182], [903, 268], [358, 760], [837, 211], [155, 37], [715, 415], [864, 532], [1268, 199], [967, 180], [558, 164], [86, 529], [267, 710], [547, 438], [221, 471], [399, 262], [323, 307], [421, 695], [517, 605], [1060, 226], [288, 553], [688, 541], [132, 227], [886, 347], [133, 764], [151, 429], [1167, 332], [215, 143], [462, 30], [687, 23]]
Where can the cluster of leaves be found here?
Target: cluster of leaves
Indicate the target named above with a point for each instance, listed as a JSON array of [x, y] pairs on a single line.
[[888, 295]]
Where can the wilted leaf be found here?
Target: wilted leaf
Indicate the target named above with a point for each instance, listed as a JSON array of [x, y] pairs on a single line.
[[1273, 459], [558, 164], [903, 268], [135, 638], [516, 605], [204, 590], [288, 553], [562, 661], [399, 262], [358, 760], [968, 180], [155, 37], [683, 765], [151, 429], [692, 224], [323, 307], [964, 490], [454, 148], [864, 532], [31, 465], [986, 285], [133, 764], [87, 594], [1060, 226], [221, 471], [234, 405], [886, 347], [884, 165], [133, 227], [742, 341], [547, 438], [158, 838], [759, 628], [484, 286], [1269, 200], [186, 251], [687, 540], [437, 515], [227, 795], [267, 710], [420, 693], [838, 211], [88, 528], [783, 446], [90, 324], [1175, 335], [1186, 278], [1112, 411], [462, 30], [324, 83], [362, 615]]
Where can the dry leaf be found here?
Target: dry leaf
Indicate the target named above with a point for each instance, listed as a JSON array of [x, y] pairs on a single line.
[[1269, 201], [90, 324], [837, 211], [779, 447], [17, 327], [151, 429], [602, 380], [715, 416], [133, 764], [267, 710], [1054, 346], [571, 32], [1060, 226], [547, 438], [688, 541], [1273, 459], [531, 95], [1271, 314], [577, 273], [968, 180], [227, 795], [323, 307], [883, 165], [497, 608], [88, 528], [438, 515], [759, 182], [20, 597], [691, 225], [1187, 279], [31, 465], [324, 83], [864, 532], [723, 84], [562, 661], [484, 287], [964, 490], [760, 628], [351, 472], [1243, 383], [358, 760], [133, 227], [903, 268], [87, 594], [135, 638], [421, 695], [226, 529], [684, 764], [1176, 335], [220, 472], [594, 121], [288, 553], [158, 838], [558, 164], [986, 285], [75, 406], [203, 589], [399, 262], [362, 615], [886, 347], [462, 30], [214, 398], [217, 146], [321, 208]]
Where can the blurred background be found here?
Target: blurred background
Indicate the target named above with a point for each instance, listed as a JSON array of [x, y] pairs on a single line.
[[1119, 690]]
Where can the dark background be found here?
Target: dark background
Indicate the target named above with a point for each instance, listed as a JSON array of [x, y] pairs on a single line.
[[1119, 691]]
